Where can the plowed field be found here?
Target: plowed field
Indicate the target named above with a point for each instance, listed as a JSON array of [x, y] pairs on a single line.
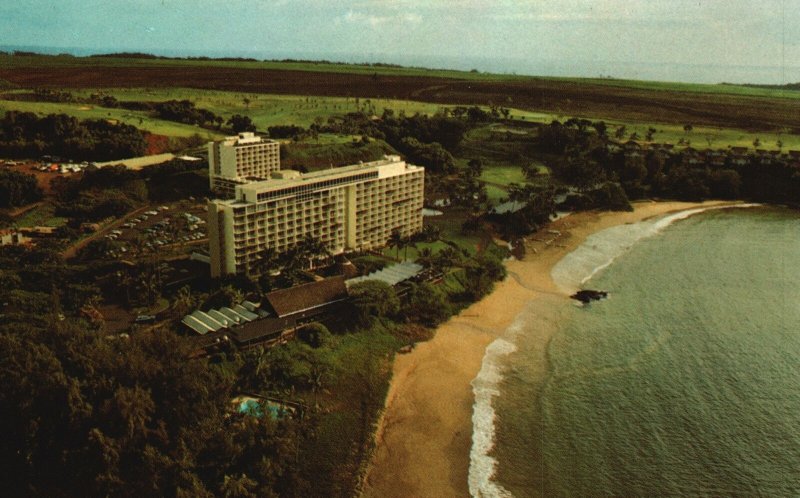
[[568, 98]]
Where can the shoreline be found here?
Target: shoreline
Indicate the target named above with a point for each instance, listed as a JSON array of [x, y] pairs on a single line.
[[424, 437]]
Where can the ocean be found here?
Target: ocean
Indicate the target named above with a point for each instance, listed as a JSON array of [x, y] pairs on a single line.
[[684, 382]]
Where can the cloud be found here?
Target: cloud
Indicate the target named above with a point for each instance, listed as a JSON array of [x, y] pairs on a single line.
[[375, 20]]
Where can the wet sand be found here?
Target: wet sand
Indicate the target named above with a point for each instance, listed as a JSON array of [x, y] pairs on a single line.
[[425, 435]]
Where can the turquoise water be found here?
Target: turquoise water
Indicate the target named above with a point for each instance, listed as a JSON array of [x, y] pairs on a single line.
[[257, 409], [685, 382]]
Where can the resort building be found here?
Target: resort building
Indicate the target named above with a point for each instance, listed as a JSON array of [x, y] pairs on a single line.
[[350, 208], [240, 159]]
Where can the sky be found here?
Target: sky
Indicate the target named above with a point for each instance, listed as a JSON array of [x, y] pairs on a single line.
[[705, 39]]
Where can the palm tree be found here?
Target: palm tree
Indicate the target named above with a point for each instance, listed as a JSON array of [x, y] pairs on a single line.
[[311, 247], [238, 487], [425, 257], [184, 301], [447, 258], [409, 241], [266, 263], [396, 241]]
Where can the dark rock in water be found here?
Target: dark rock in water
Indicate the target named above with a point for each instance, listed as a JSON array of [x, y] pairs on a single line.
[[586, 296]]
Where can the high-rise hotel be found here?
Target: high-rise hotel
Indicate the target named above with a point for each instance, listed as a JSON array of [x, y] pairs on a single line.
[[349, 208], [241, 159]]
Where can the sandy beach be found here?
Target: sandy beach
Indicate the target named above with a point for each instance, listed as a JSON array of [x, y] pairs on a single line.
[[425, 435]]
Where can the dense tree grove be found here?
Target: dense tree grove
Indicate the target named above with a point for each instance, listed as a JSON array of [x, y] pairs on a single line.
[[285, 131], [373, 300], [427, 140], [24, 134], [83, 422], [18, 189], [239, 123], [115, 190], [588, 161], [184, 111]]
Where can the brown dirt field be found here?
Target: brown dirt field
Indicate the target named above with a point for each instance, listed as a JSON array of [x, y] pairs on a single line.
[[156, 144], [43, 178], [567, 98]]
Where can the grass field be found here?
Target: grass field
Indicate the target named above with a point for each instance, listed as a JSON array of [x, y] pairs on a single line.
[[138, 119], [496, 178], [703, 137], [264, 109], [42, 215]]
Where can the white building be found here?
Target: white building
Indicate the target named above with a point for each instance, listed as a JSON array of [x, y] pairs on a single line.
[[350, 208], [240, 159]]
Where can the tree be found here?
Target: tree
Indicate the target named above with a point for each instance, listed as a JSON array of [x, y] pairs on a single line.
[[481, 273], [239, 123], [620, 132], [18, 189], [580, 170], [650, 132], [601, 128], [315, 335], [475, 167], [397, 241], [447, 258], [431, 155], [311, 248], [238, 487], [184, 301], [687, 128], [427, 305], [425, 257], [373, 300], [407, 242]]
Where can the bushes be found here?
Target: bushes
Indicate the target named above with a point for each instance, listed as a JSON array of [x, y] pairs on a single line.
[[315, 335]]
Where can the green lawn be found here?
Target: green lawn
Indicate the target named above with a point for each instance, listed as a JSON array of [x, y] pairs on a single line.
[[503, 175], [42, 215], [496, 194], [264, 109], [700, 137], [139, 119], [714, 138]]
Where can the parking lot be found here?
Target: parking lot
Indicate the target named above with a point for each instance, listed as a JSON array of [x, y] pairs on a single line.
[[157, 229]]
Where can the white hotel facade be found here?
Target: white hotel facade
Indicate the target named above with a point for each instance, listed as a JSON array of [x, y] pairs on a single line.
[[240, 159], [349, 208]]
